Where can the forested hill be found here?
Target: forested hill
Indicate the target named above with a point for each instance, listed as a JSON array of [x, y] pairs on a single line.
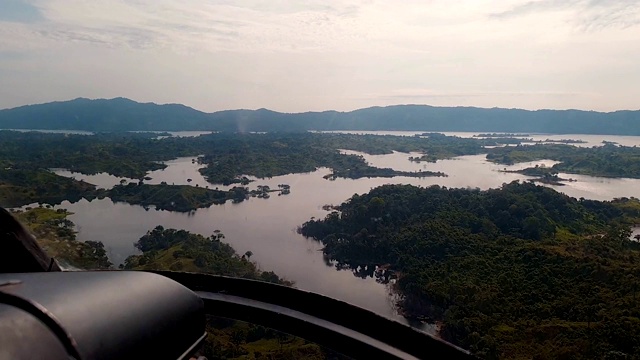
[[103, 115], [126, 115]]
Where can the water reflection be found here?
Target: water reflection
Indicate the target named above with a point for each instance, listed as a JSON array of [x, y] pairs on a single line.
[[475, 171], [589, 140], [268, 227], [180, 171]]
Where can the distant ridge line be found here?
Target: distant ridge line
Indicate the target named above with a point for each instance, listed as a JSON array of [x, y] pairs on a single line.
[[122, 114]]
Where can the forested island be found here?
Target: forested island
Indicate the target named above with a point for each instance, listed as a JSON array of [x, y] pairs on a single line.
[[608, 160], [228, 157], [25, 175], [564, 141], [180, 250], [501, 135], [517, 272], [181, 198], [542, 174]]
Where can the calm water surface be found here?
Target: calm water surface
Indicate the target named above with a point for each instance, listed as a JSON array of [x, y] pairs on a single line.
[[267, 227], [590, 140]]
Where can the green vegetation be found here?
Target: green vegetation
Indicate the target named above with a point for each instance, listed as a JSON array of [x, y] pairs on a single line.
[[170, 249], [513, 139], [228, 157], [25, 177], [20, 186], [565, 141], [608, 160], [542, 174], [537, 170], [180, 250], [129, 155], [229, 339], [359, 171], [56, 235], [518, 272], [439, 145], [181, 198]]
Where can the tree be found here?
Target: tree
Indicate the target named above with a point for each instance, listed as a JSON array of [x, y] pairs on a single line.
[[248, 254], [217, 235]]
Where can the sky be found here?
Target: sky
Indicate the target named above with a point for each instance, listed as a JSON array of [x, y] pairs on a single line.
[[298, 55]]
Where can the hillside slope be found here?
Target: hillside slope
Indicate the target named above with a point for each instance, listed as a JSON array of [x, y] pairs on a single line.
[[121, 114]]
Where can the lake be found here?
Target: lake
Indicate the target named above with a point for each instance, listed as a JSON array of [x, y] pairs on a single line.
[[589, 140], [267, 227]]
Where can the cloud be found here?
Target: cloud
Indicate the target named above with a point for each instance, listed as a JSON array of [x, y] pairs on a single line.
[[212, 25], [532, 7], [621, 14], [299, 55], [413, 94], [585, 15]]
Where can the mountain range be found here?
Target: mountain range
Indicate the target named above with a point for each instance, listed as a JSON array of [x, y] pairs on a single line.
[[122, 114]]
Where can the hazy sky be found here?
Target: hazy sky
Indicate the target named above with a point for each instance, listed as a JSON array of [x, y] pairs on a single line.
[[314, 55]]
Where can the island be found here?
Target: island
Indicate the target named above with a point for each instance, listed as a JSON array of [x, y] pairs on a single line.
[[564, 141], [516, 272], [607, 161], [25, 176], [501, 135], [542, 174], [230, 159], [180, 250], [181, 198]]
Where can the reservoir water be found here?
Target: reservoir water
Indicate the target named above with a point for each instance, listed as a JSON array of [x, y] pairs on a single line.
[[267, 227]]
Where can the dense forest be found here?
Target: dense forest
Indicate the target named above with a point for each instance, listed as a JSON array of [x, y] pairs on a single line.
[[25, 175], [608, 160], [20, 187], [123, 154], [180, 250], [182, 198], [228, 157], [518, 272], [121, 114]]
